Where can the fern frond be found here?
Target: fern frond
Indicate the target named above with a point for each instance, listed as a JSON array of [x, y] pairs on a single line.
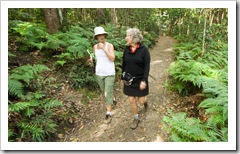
[[15, 88], [18, 106], [216, 120], [38, 68], [51, 103], [185, 129], [39, 45], [31, 130], [10, 54], [37, 135], [27, 72], [10, 133]]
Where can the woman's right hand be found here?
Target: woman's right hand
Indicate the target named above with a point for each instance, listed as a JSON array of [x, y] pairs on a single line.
[[90, 60], [101, 45]]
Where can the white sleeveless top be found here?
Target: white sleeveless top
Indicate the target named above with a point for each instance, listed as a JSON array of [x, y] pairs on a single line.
[[104, 67]]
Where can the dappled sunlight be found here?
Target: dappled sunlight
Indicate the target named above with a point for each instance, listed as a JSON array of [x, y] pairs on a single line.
[[156, 62], [169, 49]]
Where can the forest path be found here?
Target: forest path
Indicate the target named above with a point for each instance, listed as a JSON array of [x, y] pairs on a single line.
[[150, 128]]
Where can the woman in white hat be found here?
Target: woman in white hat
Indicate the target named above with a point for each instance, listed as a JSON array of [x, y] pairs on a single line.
[[105, 68]]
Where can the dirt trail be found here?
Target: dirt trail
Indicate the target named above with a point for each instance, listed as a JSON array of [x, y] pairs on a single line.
[[150, 128]]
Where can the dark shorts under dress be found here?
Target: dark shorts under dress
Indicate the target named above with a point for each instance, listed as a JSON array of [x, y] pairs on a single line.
[[134, 90]]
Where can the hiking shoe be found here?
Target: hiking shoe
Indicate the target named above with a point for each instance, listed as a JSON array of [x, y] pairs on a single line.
[[108, 119], [134, 124]]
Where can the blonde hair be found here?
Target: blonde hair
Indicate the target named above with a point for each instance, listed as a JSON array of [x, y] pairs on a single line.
[[135, 35]]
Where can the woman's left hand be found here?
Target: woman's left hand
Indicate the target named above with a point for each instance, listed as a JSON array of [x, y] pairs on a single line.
[[143, 85]]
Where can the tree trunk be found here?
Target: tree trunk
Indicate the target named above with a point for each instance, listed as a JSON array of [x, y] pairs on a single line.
[[51, 19], [188, 30], [100, 13], [170, 28], [212, 17], [60, 15], [160, 23], [204, 32], [113, 16], [179, 25]]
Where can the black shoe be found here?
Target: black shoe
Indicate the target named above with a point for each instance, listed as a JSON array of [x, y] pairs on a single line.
[[134, 124], [108, 119]]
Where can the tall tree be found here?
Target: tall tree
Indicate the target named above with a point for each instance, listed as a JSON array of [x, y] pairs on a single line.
[[100, 13], [52, 20], [204, 31], [113, 16]]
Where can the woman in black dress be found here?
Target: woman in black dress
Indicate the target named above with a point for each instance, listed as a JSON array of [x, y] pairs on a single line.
[[135, 69]]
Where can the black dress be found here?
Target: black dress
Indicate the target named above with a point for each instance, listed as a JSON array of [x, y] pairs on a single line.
[[138, 65]]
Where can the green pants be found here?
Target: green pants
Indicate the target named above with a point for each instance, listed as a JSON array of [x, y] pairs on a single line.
[[106, 84]]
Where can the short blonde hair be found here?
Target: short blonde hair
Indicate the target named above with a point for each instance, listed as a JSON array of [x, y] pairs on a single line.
[[135, 35]]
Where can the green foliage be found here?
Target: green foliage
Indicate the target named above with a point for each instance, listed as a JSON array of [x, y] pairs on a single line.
[[15, 88], [24, 74], [187, 51], [11, 54], [189, 67], [37, 121], [32, 115], [217, 55], [82, 76], [207, 72], [30, 34], [217, 104], [184, 129], [118, 63]]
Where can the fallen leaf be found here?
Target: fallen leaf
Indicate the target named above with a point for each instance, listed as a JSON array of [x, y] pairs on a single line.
[[81, 127], [60, 136]]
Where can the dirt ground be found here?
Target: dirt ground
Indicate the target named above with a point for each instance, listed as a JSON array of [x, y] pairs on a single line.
[[91, 128]]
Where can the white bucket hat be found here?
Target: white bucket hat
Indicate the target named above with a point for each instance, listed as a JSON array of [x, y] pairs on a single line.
[[98, 31]]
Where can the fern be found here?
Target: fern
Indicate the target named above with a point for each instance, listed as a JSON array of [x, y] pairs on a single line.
[[184, 129], [50, 103], [31, 130], [54, 41], [39, 45], [36, 122], [27, 73], [15, 88], [11, 54], [31, 35]]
